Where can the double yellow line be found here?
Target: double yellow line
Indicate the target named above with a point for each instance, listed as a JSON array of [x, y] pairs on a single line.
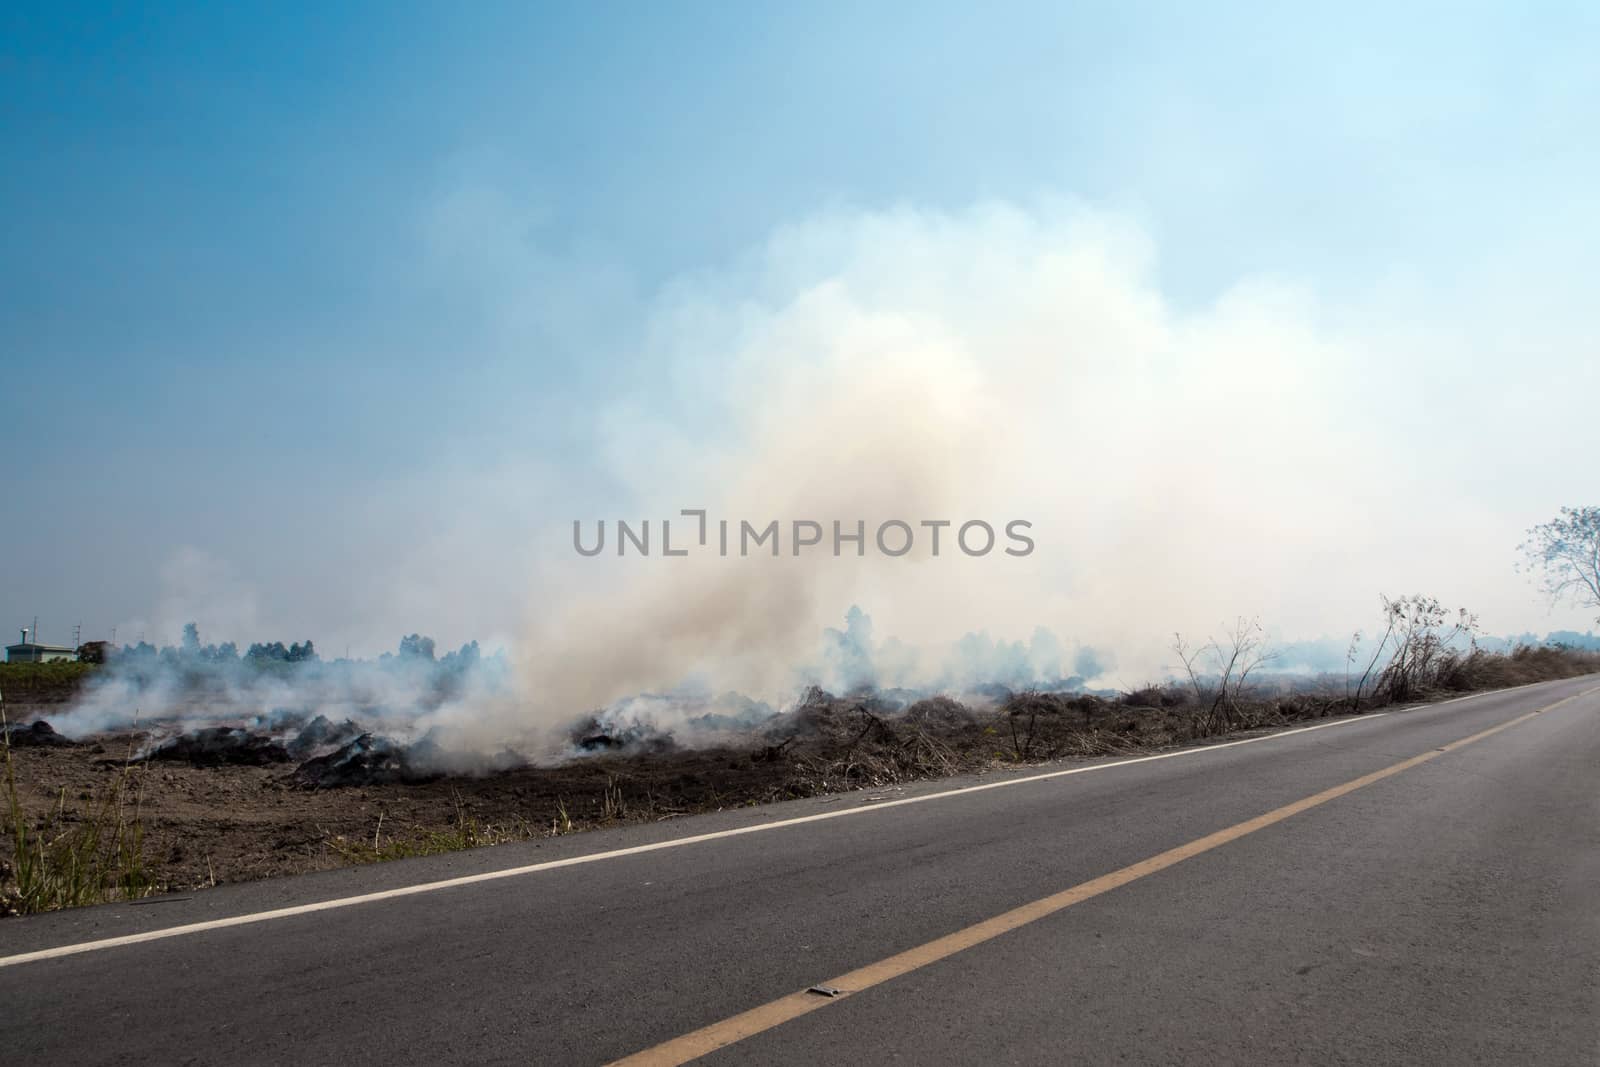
[[708, 1039]]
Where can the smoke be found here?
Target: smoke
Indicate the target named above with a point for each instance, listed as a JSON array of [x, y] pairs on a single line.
[[197, 585], [278, 691], [1178, 467]]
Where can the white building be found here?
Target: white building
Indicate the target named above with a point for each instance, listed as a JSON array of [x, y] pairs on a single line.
[[34, 652]]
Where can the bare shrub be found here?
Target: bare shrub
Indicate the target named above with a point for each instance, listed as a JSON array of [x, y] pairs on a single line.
[[1219, 671]]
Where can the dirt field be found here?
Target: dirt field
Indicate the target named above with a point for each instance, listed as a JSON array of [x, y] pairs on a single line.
[[206, 825]]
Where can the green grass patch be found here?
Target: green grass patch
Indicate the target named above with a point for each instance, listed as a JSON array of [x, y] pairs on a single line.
[[32, 683]]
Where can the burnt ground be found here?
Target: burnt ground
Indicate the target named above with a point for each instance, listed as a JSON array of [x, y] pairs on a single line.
[[225, 805], [209, 820], [206, 824]]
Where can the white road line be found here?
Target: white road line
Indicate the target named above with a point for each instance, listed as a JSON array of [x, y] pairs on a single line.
[[1473, 696], [635, 850]]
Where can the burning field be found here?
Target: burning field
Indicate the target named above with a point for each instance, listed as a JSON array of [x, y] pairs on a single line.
[[188, 801], [228, 803]]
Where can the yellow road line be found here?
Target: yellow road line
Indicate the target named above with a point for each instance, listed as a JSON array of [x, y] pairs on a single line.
[[708, 1039]]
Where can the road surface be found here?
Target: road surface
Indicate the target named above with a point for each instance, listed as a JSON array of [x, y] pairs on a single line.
[[1416, 887]]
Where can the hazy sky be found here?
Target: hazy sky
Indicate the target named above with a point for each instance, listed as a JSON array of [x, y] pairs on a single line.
[[328, 323]]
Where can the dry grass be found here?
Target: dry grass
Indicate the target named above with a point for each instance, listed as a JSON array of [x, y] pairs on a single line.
[[466, 832], [837, 743], [71, 857], [1523, 665]]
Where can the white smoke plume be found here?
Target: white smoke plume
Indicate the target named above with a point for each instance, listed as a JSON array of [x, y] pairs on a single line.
[[1177, 468]]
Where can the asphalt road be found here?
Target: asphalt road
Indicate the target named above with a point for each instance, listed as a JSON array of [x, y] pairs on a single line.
[[1447, 913]]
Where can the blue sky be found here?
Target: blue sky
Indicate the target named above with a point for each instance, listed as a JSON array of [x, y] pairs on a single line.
[[337, 299]]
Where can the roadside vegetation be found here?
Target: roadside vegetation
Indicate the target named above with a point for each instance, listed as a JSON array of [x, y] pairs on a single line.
[[866, 744]]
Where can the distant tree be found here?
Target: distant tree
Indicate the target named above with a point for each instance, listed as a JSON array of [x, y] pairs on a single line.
[[415, 646], [266, 653], [299, 653], [94, 651], [191, 639], [464, 660], [1565, 554], [1573, 639]]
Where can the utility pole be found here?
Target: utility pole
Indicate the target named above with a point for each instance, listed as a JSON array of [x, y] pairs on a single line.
[[77, 635]]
